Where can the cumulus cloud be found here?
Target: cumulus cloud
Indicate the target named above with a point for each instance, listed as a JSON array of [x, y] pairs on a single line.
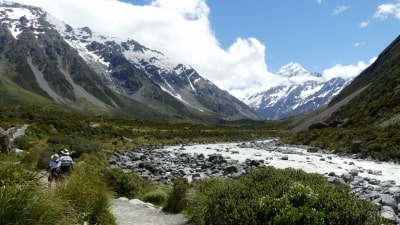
[[347, 71], [386, 10], [340, 9]]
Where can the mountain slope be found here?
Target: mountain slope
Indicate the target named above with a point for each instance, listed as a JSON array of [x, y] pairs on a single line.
[[38, 60], [94, 73], [373, 97], [365, 116], [302, 92]]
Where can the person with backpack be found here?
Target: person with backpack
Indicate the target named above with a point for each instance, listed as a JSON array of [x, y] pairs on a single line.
[[54, 169], [67, 163]]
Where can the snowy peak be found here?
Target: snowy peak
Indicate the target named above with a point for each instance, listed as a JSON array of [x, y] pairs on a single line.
[[19, 17], [301, 92], [292, 69]]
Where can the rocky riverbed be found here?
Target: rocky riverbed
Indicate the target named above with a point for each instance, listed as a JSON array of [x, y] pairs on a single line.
[[378, 182]]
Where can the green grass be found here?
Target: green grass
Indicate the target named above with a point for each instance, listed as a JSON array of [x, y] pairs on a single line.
[[265, 196]]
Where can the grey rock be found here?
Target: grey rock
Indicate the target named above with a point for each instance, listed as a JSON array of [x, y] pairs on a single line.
[[389, 214], [312, 149], [232, 169]]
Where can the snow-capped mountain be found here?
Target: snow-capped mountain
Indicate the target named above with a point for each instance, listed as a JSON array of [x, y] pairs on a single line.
[[125, 66], [302, 92]]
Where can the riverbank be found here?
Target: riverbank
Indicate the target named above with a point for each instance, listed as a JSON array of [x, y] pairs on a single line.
[[369, 179]]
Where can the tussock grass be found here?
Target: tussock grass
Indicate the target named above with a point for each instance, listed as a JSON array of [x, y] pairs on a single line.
[[87, 194]]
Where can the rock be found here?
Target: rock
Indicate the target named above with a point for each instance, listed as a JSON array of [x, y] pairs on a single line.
[[347, 177], [336, 181], [353, 172], [389, 214], [255, 163], [165, 166], [231, 169], [374, 181], [312, 149], [388, 200]]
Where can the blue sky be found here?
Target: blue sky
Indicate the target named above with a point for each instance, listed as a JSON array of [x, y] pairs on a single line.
[[240, 44], [316, 35]]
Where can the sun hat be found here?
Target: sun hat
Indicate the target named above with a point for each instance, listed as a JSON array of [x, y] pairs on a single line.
[[55, 157], [65, 152]]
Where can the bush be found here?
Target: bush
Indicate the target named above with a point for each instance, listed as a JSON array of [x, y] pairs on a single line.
[[273, 196], [22, 142], [77, 145], [157, 197], [30, 159], [125, 184], [176, 201]]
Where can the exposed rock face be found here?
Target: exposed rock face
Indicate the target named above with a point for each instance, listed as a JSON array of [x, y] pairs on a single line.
[[6, 137]]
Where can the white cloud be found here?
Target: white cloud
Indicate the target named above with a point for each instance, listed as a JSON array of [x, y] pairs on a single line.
[[340, 9], [364, 24], [319, 2], [360, 44], [346, 71], [386, 10]]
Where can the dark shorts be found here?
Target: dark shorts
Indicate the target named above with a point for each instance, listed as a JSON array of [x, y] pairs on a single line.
[[54, 173], [65, 170]]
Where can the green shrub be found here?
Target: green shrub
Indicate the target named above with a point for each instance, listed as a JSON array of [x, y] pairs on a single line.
[[22, 142], [125, 184], [77, 145], [274, 196], [157, 197], [29, 159], [298, 206], [176, 201]]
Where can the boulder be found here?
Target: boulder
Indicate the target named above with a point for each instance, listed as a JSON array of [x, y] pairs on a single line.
[[285, 157], [232, 169], [388, 213], [312, 149]]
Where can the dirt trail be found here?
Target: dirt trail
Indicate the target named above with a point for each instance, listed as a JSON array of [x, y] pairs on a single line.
[[136, 212]]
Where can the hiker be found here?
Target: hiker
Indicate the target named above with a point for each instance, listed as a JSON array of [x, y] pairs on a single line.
[[67, 163], [54, 169]]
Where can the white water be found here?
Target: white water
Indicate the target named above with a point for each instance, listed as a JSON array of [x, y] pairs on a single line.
[[298, 159]]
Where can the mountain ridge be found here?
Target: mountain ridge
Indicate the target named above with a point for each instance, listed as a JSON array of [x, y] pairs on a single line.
[[178, 91], [293, 97]]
